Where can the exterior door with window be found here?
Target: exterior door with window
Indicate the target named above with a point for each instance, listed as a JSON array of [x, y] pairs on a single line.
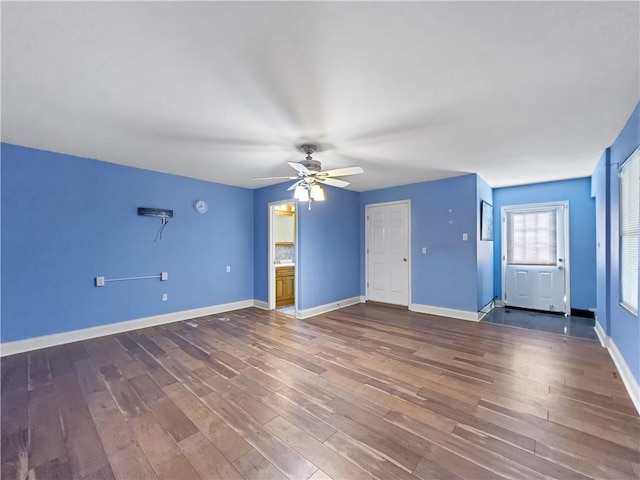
[[535, 257]]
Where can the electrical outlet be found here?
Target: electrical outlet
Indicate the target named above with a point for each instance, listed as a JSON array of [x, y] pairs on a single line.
[[424, 250], [165, 297], [164, 276], [99, 281], [228, 268], [465, 237]]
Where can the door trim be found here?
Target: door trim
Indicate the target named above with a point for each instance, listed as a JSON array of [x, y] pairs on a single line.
[[271, 268], [367, 207], [567, 254]]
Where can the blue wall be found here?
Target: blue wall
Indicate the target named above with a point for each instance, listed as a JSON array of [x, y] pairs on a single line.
[[261, 199], [582, 228], [441, 211], [66, 220], [0, 244], [328, 260], [329, 250], [485, 248], [600, 192], [618, 323]]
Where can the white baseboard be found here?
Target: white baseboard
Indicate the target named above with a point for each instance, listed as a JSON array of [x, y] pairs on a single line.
[[625, 373], [261, 304], [499, 303], [629, 381], [602, 336], [19, 346], [313, 311], [447, 312]]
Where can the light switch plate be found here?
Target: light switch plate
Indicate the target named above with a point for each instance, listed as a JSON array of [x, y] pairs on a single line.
[[465, 237], [164, 276]]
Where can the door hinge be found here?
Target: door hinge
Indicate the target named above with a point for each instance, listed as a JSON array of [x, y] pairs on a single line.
[[367, 284], [367, 251]]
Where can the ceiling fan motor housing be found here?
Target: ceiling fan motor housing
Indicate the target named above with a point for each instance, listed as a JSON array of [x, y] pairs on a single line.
[[314, 166]]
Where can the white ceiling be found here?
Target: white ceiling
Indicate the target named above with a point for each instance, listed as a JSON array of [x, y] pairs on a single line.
[[518, 92]]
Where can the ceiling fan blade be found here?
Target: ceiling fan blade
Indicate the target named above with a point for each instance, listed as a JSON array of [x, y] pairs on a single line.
[[342, 172], [273, 178], [299, 167], [293, 187], [334, 182]]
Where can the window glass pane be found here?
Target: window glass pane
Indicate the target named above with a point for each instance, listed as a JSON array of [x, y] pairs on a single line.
[[629, 223], [629, 258], [532, 238]]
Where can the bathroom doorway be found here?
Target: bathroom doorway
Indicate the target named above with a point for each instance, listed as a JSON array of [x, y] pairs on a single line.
[[282, 256]]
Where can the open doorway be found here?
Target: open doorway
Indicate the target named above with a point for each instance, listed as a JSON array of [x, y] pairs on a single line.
[[282, 256]]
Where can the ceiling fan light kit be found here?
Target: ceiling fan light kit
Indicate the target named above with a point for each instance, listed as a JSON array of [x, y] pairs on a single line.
[[309, 192], [307, 187], [301, 194], [317, 193]]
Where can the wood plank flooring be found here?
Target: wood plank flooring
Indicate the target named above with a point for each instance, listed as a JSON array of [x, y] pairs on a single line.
[[363, 392]]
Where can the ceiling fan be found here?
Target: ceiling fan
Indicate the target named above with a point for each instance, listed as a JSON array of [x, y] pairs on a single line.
[[310, 176]]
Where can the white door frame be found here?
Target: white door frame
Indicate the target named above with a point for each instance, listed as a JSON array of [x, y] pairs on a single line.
[[366, 244], [567, 253], [272, 254]]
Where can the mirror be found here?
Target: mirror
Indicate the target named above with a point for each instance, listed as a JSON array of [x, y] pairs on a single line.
[[284, 228]]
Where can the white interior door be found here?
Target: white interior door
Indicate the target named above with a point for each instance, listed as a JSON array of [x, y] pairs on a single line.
[[388, 253], [535, 257]]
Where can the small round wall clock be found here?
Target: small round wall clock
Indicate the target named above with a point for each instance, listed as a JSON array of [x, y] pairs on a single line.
[[200, 206]]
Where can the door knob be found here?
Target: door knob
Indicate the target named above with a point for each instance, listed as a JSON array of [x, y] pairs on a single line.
[[404, 259], [560, 267]]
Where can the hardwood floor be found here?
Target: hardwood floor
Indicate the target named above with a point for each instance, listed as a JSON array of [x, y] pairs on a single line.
[[363, 392]]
